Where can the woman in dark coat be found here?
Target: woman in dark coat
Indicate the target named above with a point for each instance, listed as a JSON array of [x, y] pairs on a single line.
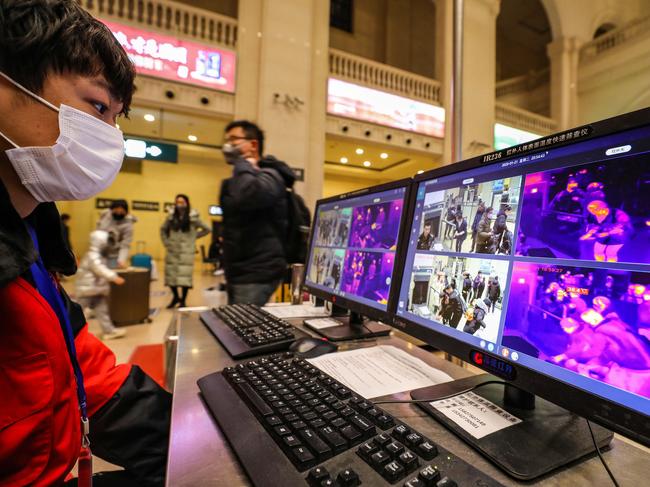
[[179, 233]]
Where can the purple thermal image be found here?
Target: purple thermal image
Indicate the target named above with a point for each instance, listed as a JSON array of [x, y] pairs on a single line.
[[368, 275], [595, 322], [376, 226], [597, 212]]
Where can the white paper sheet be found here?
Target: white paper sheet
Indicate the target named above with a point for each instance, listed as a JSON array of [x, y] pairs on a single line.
[[379, 371], [475, 414], [305, 310], [321, 323]]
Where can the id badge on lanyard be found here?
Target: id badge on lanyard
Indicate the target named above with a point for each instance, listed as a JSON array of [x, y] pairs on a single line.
[[48, 288]]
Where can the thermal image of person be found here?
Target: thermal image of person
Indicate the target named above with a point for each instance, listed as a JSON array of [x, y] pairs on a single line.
[[452, 306], [570, 199], [609, 228], [595, 191], [476, 322], [425, 240], [437, 287]]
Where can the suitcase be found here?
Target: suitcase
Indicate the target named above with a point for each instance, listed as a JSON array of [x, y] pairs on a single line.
[[140, 258], [129, 303]]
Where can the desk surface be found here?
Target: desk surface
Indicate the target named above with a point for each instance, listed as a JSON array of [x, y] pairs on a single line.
[[199, 454]]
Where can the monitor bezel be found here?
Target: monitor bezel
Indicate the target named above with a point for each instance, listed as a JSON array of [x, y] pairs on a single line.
[[619, 418], [355, 306]]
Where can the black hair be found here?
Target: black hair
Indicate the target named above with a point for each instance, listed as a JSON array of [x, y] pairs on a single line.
[[41, 37], [252, 132], [180, 221], [120, 204]]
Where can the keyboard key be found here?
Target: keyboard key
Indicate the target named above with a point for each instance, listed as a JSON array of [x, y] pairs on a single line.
[[290, 418], [366, 427], [257, 402], [400, 431], [393, 471], [446, 482], [413, 439], [351, 434], [379, 459], [321, 408], [291, 440], [317, 423], [342, 392], [333, 438], [328, 483], [363, 406], [429, 475], [282, 430], [384, 421], [394, 449], [310, 416], [348, 478], [409, 460], [382, 439], [315, 444], [416, 482], [303, 457], [273, 420], [346, 412], [338, 423], [367, 449], [372, 413], [330, 416], [427, 450]]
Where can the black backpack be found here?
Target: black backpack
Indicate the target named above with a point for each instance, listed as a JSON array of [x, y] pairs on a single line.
[[299, 219]]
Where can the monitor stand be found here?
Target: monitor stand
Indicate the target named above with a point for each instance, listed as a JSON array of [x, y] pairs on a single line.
[[549, 437], [353, 326]]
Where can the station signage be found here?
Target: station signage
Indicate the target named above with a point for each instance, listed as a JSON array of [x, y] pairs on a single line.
[[150, 150], [369, 105], [173, 59]]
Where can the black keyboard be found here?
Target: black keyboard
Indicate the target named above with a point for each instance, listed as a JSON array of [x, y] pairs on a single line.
[[246, 330], [291, 424]]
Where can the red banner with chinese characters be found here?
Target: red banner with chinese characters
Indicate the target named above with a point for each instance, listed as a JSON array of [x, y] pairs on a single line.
[[178, 60]]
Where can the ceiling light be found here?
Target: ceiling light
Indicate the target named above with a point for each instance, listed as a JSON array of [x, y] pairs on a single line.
[[344, 160], [420, 171], [149, 117], [359, 151], [192, 138], [383, 155], [367, 163]]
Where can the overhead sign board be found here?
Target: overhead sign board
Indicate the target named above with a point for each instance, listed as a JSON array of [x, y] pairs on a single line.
[[173, 59], [150, 150], [369, 105]]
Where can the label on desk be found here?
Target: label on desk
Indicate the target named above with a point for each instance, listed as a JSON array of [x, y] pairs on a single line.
[[321, 323], [475, 414]]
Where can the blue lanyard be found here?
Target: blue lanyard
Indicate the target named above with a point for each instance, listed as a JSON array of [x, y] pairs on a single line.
[[48, 289]]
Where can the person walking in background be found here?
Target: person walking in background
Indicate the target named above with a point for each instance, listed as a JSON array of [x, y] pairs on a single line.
[[477, 219], [118, 221], [494, 292], [93, 283], [179, 233], [461, 231]]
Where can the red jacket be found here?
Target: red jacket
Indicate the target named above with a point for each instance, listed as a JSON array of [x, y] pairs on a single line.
[[40, 435]]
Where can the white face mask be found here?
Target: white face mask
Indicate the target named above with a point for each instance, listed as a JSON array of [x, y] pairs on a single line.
[[84, 160]]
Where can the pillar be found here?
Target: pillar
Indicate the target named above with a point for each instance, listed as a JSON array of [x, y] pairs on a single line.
[[479, 76], [564, 55], [282, 81], [444, 40]]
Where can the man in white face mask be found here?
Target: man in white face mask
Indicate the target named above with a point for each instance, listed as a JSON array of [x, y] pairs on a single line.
[[64, 80]]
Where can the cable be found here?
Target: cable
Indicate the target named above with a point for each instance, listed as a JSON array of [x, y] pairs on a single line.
[[465, 391], [609, 472]]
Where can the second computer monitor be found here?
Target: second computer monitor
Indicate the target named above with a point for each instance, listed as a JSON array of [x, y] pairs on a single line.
[[354, 246]]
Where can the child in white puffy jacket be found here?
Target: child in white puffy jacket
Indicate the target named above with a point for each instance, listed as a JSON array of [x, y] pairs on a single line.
[[92, 285]]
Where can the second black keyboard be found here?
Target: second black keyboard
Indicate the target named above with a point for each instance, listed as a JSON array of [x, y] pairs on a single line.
[[291, 424], [246, 330]]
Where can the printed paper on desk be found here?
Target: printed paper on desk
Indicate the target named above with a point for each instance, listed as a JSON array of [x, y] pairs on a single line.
[[475, 414], [379, 371], [296, 311]]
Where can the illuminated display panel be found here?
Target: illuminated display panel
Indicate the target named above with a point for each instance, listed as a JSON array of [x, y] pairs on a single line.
[[506, 136], [178, 60], [361, 103]]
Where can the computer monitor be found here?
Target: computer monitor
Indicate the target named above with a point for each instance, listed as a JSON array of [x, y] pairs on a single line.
[[533, 263], [354, 244]]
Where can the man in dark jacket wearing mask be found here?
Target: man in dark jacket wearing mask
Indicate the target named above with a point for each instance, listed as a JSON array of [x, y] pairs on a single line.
[[255, 216]]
